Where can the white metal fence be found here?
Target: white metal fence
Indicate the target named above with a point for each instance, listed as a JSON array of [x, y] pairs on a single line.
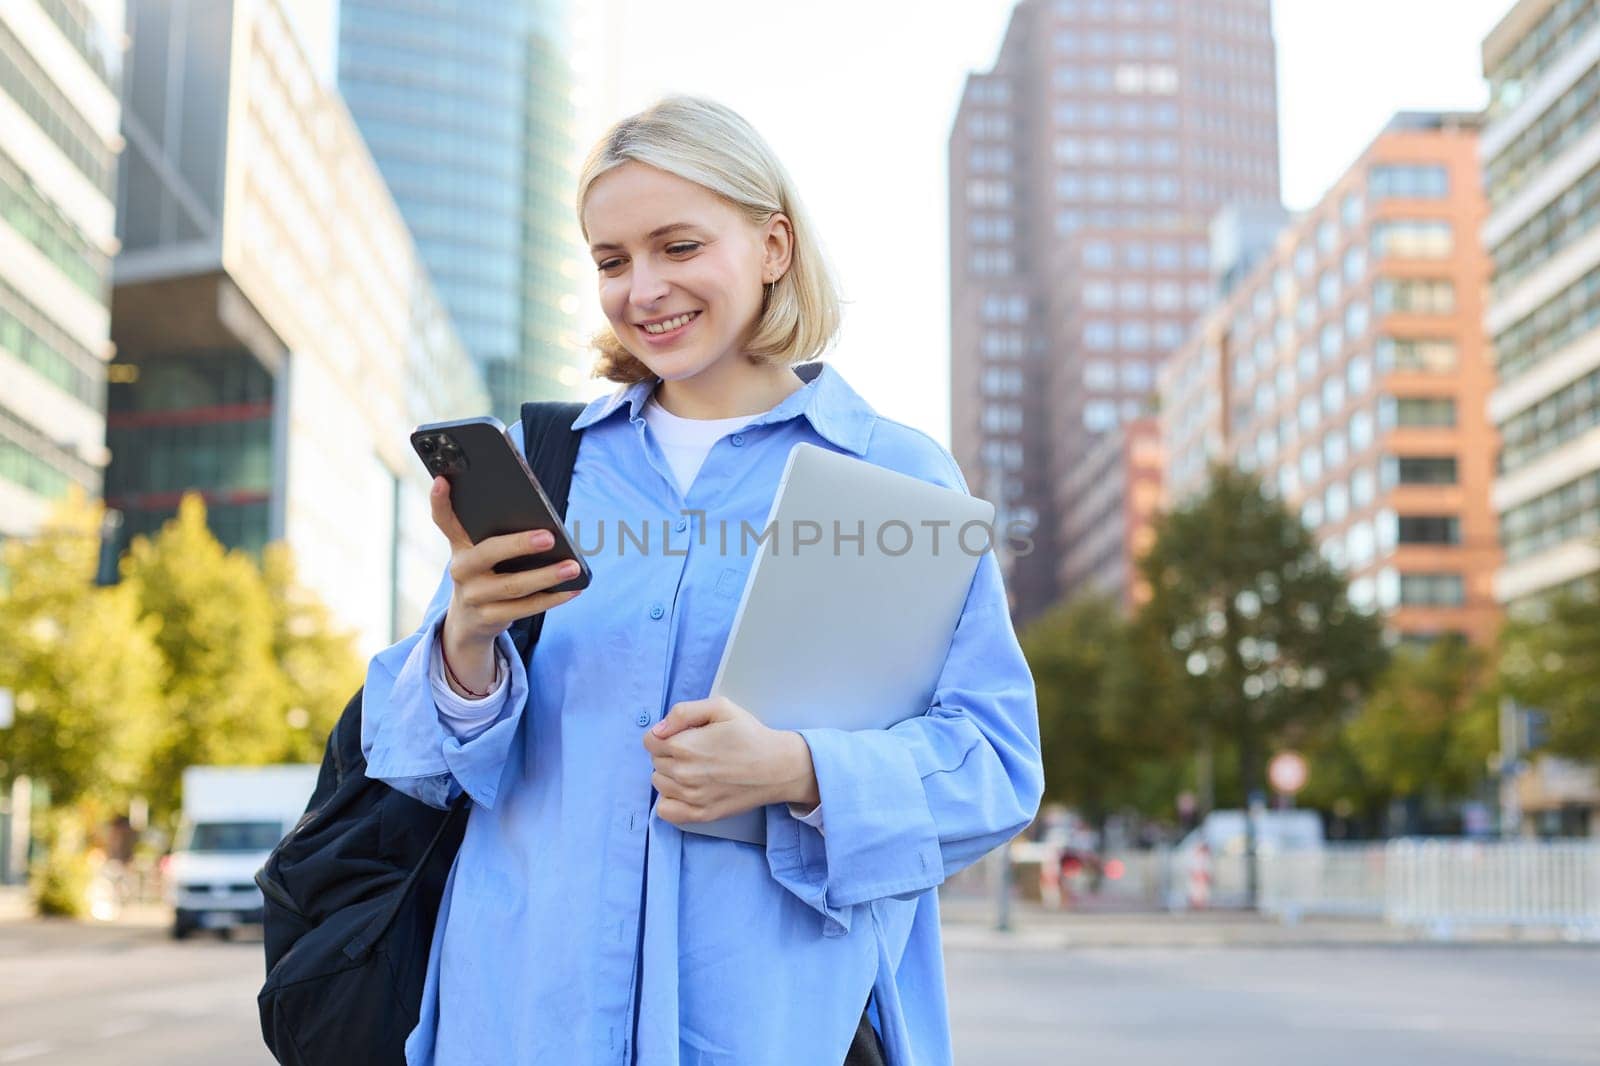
[[1438, 885], [1442, 885]]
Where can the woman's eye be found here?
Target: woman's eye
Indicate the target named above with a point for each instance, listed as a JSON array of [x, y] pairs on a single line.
[[683, 247], [608, 265]]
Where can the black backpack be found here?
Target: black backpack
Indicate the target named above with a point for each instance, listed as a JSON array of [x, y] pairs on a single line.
[[352, 893]]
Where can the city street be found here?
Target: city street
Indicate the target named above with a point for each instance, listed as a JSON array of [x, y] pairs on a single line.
[[83, 995], [1407, 1005]]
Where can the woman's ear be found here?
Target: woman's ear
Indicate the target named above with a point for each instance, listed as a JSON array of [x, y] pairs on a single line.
[[777, 248]]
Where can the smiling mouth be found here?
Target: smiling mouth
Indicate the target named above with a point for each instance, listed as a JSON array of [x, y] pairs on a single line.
[[671, 325]]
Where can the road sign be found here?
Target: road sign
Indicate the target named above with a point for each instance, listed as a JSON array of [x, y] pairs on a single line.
[[1287, 772]]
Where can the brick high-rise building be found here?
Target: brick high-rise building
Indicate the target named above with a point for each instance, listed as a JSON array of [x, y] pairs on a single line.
[[1350, 372], [1084, 170]]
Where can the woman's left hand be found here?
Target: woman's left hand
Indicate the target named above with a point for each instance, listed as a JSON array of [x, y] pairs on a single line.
[[713, 758]]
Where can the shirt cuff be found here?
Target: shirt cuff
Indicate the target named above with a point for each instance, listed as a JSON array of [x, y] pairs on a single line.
[[813, 817], [464, 717]]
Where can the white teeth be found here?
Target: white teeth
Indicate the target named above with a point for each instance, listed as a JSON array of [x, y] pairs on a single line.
[[670, 324]]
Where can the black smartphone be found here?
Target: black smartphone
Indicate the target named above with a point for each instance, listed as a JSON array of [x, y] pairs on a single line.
[[493, 492]]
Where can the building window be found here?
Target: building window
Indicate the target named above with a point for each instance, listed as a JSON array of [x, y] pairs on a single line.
[[1554, 420], [1432, 590], [1361, 489], [1355, 264], [1567, 315], [1563, 514], [1360, 430], [1350, 209], [1430, 529], [1425, 469], [1002, 419], [1099, 415], [1424, 412], [1433, 355], [1419, 296], [1413, 238], [1409, 182]]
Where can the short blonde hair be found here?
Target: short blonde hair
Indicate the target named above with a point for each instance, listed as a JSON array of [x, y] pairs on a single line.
[[714, 147]]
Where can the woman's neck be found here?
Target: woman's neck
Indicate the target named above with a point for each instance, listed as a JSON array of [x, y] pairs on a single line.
[[740, 390]]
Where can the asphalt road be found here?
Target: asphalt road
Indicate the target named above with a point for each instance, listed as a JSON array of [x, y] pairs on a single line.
[[85, 996], [1407, 1005]]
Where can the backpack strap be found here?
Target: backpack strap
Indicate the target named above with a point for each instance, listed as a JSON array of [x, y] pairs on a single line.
[[551, 445]]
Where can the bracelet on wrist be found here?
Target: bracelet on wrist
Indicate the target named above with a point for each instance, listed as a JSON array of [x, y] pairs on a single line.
[[450, 675]]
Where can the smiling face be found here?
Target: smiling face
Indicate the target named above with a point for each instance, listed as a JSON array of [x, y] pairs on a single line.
[[681, 270]]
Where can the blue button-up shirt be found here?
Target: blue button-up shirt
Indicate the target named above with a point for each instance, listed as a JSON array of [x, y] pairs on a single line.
[[578, 927]]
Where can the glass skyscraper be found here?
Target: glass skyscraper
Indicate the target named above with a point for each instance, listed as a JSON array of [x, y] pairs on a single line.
[[466, 106]]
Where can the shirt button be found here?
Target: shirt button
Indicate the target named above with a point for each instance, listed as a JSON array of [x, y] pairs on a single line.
[[738, 440], [683, 524], [656, 610], [643, 719]]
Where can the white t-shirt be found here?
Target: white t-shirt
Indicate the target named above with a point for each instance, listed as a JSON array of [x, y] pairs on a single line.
[[687, 441]]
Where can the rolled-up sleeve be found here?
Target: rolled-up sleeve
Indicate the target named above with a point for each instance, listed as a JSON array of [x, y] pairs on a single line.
[[910, 805], [408, 746], [408, 743]]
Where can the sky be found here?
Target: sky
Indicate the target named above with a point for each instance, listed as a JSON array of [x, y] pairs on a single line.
[[857, 98]]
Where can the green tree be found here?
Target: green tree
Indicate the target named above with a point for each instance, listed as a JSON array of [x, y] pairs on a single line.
[[224, 696], [1424, 735], [1258, 621], [1551, 661], [81, 663], [318, 663], [1102, 730]]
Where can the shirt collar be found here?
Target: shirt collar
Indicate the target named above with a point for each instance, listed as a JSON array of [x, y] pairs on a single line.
[[837, 413]]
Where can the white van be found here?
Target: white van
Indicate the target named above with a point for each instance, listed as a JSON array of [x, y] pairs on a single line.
[[233, 816]]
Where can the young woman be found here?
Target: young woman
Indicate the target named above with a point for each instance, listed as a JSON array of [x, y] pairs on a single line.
[[581, 924]]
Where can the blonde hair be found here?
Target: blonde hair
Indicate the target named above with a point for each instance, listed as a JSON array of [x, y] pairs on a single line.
[[714, 147]]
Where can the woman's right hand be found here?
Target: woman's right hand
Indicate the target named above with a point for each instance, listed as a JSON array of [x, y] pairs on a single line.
[[483, 603]]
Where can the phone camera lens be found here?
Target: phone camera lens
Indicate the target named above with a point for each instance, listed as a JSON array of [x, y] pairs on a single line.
[[427, 445]]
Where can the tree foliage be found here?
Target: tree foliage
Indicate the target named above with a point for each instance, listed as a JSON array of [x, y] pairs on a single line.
[[1425, 734], [1258, 622], [1101, 725], [81, 664], [1552, 662], [200, 656]]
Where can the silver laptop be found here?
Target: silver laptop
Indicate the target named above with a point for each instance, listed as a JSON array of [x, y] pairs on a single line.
[[849, 609]]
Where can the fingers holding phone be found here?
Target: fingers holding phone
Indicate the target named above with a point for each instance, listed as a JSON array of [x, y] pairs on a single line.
[[485, 600]]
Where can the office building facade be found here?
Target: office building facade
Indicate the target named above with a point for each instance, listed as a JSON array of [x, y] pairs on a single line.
[[467, 108], [60, 104], [1349, 371], [1541, 160], [1085, 168], [277, 336]]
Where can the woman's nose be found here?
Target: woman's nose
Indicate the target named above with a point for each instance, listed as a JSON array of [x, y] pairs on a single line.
[[647, 289]]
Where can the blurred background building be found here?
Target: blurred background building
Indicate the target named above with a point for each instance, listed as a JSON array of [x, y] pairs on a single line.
[[1350, 372], [1541, 156], [467, 108], [1541, 169], [60, 88], [277, 335], [1085, 169]]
